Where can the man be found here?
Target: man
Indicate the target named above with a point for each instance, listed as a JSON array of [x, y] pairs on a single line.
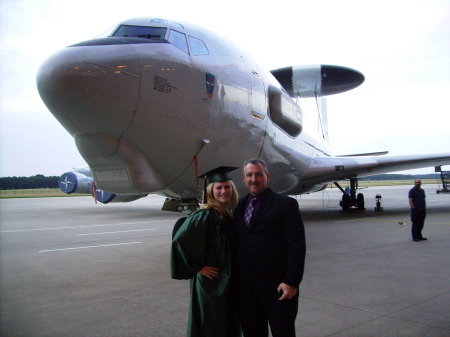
[[418, 210], [271, 258]]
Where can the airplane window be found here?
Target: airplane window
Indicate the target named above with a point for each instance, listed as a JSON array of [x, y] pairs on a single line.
[[178, 40], [178, 25], [198, 47], [143, 32], [159, 21], [107, 33]]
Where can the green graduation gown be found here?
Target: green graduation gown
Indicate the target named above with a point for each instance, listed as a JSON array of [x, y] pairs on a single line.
[[206, 240]]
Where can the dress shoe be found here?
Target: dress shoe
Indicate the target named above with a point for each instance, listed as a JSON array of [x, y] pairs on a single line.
[[416, 240]]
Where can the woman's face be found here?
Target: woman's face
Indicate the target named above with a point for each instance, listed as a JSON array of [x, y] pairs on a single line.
[[222, 191]]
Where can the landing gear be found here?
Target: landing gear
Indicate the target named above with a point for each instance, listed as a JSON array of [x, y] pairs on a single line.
[[351, 201], [360, 201], [180, 205]]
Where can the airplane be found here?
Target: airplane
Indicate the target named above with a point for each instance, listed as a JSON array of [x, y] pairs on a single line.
[[153, 102]]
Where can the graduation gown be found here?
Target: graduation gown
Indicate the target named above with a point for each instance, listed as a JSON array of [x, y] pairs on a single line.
[[206, 240]]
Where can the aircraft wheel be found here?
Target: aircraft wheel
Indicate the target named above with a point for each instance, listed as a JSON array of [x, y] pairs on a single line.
[[360, 201], [345, 202]]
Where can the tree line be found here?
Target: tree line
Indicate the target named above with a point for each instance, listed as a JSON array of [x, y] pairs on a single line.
[[37, 181], [41, 181]]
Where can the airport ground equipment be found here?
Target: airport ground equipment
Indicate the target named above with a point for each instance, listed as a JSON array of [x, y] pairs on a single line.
[[445, 179], [351, 201], [378, 207]]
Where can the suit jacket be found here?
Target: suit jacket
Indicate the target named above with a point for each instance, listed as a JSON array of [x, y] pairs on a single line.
[[273, 250]]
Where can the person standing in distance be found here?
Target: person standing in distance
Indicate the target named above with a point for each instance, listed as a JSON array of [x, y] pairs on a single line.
[[271, 256], [416, 197]]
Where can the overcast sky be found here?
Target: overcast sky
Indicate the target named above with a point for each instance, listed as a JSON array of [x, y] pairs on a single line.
[[402, 48]]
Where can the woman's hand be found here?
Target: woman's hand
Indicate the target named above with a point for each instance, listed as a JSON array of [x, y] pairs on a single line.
[[209, 272]]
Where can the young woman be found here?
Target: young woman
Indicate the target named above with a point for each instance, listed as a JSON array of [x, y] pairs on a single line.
[[202, 251]]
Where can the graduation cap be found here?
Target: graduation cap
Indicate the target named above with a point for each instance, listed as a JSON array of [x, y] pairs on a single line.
[[218, 175]]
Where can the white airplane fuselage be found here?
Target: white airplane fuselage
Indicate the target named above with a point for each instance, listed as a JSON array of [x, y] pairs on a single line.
[[140, 111], [157, 102]]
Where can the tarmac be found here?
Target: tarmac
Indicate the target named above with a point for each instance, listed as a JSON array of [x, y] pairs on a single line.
[[70, 267]]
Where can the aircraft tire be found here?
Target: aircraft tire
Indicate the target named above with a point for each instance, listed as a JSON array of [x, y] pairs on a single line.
[[360, 201], [345, 202]]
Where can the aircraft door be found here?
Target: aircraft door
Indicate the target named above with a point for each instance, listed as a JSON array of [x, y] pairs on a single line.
[[257, 92]]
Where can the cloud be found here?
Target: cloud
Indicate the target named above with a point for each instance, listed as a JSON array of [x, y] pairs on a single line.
[[401, 46]]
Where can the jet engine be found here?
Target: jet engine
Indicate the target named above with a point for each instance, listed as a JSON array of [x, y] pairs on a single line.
[[80, 181], [76, 182]]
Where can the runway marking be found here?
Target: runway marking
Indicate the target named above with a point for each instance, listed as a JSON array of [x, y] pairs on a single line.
[[86, 226], [131, 230], [113, 244]]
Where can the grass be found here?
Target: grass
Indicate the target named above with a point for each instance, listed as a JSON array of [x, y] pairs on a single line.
[[56, 192], [36, 193]]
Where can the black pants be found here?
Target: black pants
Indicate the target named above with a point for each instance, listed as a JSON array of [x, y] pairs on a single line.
[[255, 313], [418, 219]]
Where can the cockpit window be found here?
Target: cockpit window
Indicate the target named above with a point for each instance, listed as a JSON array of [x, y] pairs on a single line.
[[164, 22], [198, 47], [179, 25], [178, 40], [107, 33], [143, 32]]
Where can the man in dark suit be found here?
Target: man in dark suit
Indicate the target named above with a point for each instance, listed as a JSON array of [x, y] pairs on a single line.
[[271, 256], [417, 202]]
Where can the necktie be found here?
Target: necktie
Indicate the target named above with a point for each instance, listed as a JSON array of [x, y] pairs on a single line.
[[249, 212]]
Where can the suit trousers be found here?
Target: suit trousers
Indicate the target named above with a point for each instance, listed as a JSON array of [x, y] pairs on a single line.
[[417, 219], [255, 313]]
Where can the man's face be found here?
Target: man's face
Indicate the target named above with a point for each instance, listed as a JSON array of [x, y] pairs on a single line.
[[255, 178], [418, 183]]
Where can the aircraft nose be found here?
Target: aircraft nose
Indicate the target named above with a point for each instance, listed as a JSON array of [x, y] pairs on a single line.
[[91, 88]]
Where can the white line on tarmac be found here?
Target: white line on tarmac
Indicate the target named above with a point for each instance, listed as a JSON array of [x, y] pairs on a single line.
[[113, 244], [87, 226], [131, 230]]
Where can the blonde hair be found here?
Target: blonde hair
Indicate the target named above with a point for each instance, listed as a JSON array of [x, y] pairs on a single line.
[[212, 203]]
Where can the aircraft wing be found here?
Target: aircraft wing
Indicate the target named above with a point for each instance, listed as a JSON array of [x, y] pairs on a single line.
[[329, 169]]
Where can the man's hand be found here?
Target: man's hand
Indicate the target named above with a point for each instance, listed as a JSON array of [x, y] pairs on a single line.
[[287, 290], [209, 272]]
